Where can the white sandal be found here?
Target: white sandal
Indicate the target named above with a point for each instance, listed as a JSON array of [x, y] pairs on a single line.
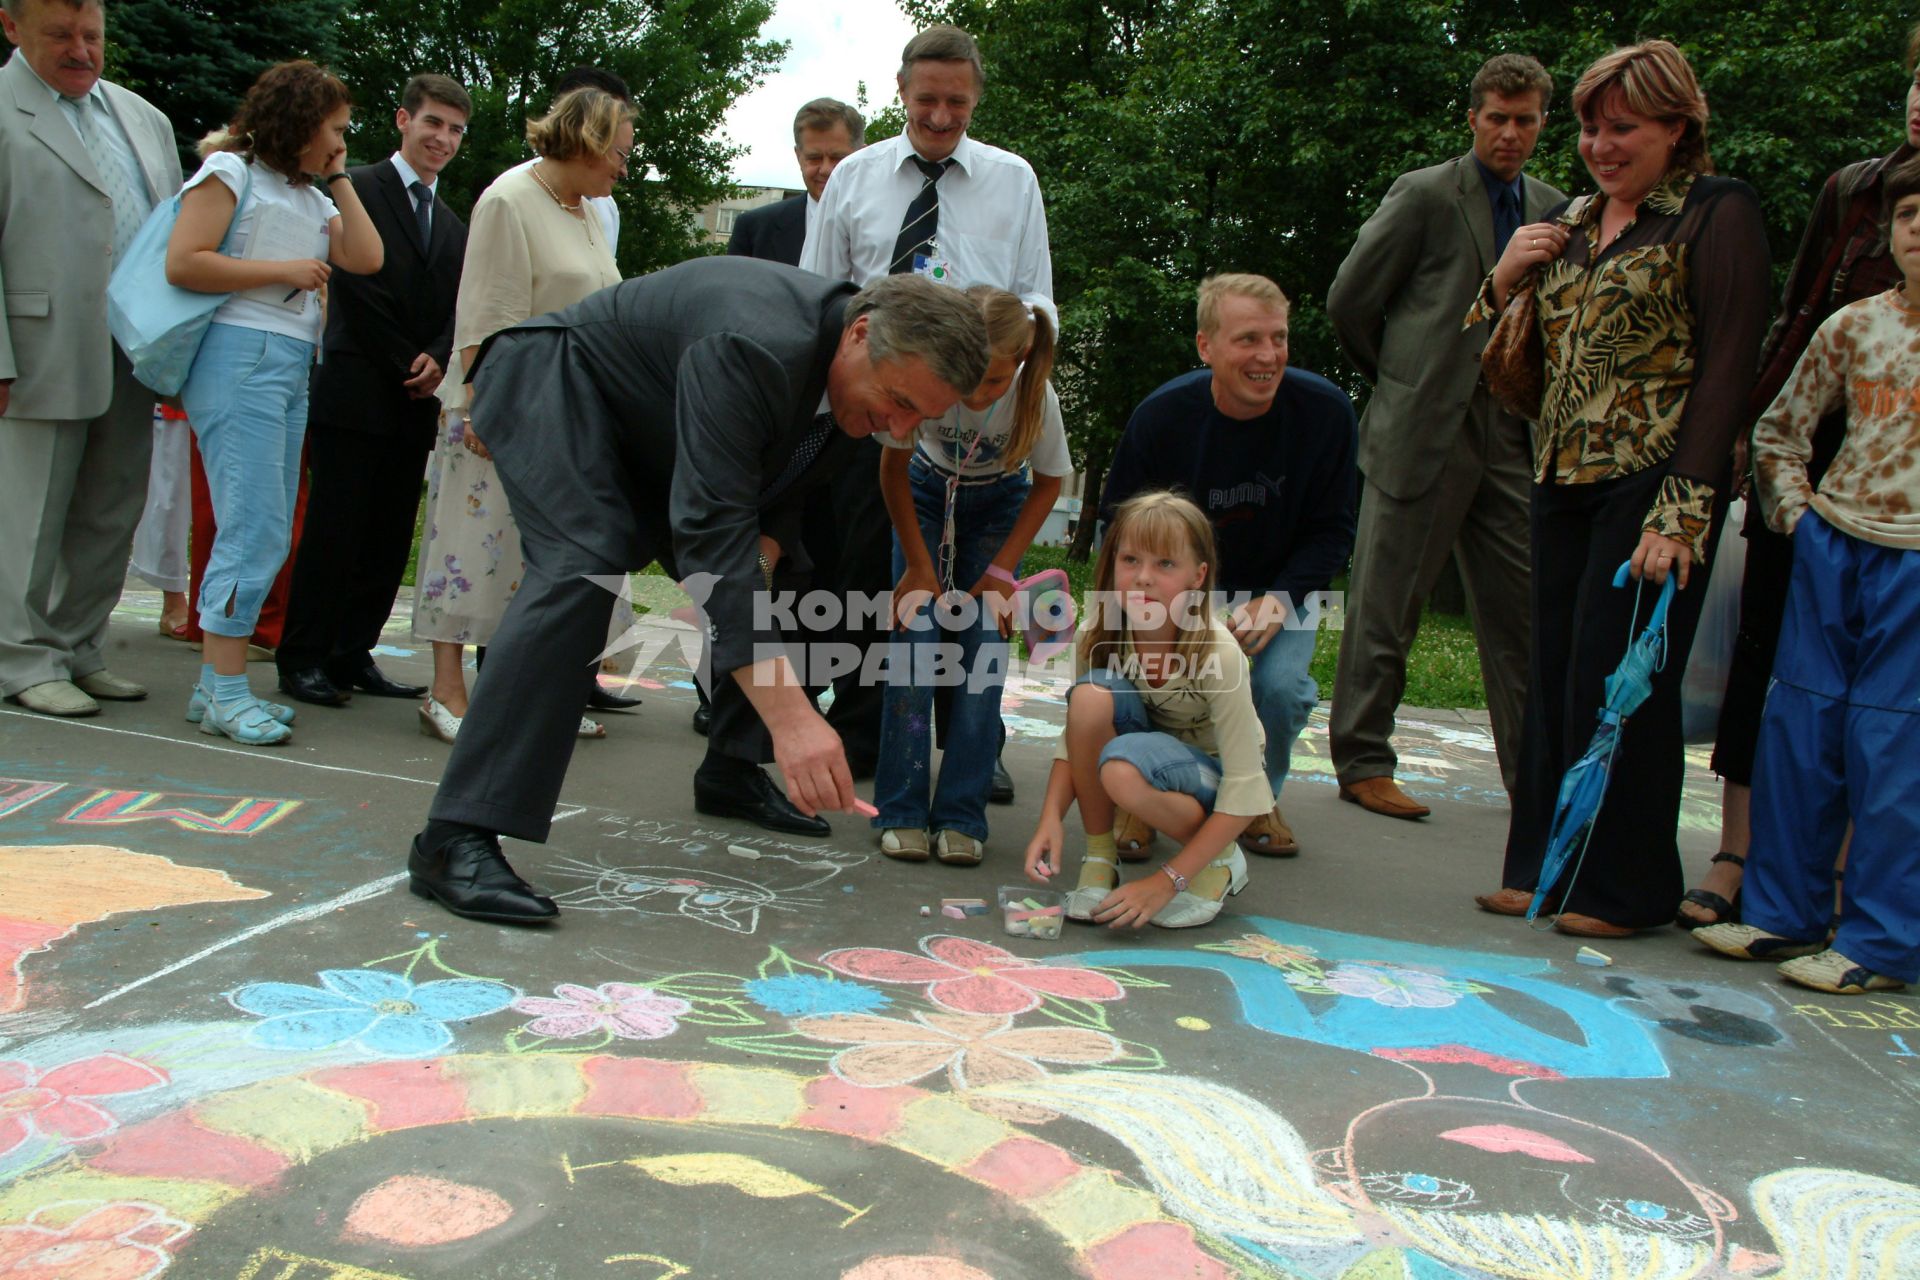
[[438, 722], [591, 728], [1189, 908]]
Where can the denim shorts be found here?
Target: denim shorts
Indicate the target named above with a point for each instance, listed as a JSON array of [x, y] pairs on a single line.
[[1162, 759]]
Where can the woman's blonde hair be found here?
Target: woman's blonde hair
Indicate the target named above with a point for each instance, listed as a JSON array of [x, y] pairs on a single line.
[[1656, 81], [1025, 334], [1158, 522], [581, 122]]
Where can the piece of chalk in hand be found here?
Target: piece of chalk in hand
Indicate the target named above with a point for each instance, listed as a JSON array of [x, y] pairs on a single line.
[[864, 809]]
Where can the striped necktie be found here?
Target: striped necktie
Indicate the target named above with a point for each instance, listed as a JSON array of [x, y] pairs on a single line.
[[922, 221], [803, 455]]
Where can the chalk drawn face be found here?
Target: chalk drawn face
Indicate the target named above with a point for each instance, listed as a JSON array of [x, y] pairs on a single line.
[[1519, 1191], [710, 897]]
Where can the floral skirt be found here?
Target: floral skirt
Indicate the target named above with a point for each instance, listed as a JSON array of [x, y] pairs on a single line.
[[470, 563]]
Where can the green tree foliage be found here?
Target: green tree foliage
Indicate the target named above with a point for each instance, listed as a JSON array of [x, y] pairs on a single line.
[[1174, 138], [685, 60], [194, 58]]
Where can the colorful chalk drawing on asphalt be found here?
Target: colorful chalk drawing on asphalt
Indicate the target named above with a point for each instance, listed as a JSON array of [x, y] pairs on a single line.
[[51, 890], [112, 807], [812, 1093]]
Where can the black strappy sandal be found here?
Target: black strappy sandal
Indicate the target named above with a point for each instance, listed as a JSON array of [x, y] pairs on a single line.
[[1725, 910]]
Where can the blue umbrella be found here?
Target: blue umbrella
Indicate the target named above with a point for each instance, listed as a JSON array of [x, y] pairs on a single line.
[[1585, 783]]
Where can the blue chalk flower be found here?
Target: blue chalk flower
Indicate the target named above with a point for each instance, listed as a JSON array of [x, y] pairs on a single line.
[[382, 1013], [802, 995]]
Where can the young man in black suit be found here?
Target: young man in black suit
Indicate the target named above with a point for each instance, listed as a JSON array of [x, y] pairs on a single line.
[[373, 411], [825, 132]]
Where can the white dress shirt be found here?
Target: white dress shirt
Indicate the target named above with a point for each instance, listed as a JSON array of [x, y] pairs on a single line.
[[992, 228], [605, 206]]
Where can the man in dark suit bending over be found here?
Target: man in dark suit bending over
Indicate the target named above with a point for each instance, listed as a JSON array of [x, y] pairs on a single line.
[[373, 410], [688, 411]]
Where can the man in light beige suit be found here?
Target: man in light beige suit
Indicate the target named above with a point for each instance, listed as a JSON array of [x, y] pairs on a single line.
[[1446, 469], [82, 162]]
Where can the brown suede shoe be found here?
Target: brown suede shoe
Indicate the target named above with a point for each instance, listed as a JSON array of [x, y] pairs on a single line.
[[1507, 902], [1382, 796], [1270, 836], [1572, 922], [1131, 837]]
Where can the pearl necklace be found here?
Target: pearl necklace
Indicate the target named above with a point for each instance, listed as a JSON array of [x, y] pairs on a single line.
[[573, 208]]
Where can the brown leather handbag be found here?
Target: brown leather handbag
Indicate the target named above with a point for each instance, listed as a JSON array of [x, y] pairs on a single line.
[[1514, 362]]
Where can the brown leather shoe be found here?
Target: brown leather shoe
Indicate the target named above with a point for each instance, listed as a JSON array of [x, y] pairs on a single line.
[[1270, 836], [1382, 796], [1579, 926], [1507, 902], [1131, 837]]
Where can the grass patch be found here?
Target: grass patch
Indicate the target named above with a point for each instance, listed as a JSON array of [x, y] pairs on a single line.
[[1442, 671]]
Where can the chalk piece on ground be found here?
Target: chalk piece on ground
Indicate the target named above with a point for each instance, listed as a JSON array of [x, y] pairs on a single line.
[[742, 851], [926, 911], [1587, 955], [954, 912]]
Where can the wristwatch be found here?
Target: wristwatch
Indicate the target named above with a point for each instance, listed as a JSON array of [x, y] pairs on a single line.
[[1179, 881]]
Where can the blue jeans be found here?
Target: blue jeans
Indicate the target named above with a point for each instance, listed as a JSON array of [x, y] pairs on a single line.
[[246, 398], [983, 516], [1284, 695], [1162, 759]]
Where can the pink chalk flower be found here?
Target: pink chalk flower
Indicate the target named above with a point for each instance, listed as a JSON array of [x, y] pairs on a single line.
[[973, 977], [57, 1104], [1392, 986], [126, 1240], [615, 1008], [975, 1050]]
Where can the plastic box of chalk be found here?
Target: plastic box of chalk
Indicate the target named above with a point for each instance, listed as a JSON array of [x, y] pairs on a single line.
[[1029, 912]]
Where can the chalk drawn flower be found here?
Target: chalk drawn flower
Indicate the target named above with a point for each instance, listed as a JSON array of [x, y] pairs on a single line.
[[629, 1012], [975, 1049], [797, 995], [1258, 946], [58, 1104], [973, 977], [126, 1240], [1393, 987], [383, 1013]]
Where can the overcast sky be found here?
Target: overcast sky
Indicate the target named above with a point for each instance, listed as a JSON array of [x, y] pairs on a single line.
[[835, 44]]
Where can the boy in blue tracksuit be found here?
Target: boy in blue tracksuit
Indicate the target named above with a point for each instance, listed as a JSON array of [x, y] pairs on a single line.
[[1837, 740]]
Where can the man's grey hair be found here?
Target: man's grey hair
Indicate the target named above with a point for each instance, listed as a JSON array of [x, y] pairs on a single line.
[[942, 43], [910, 315], [824, 113]]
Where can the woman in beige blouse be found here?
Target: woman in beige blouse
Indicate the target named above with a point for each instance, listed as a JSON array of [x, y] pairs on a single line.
[[532, 247]]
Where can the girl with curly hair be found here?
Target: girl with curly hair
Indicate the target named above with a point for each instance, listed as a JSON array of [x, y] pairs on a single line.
[[276, 174]]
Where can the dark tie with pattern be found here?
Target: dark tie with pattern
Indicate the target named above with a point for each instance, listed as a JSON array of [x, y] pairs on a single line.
[[423, 213], [922, 221], [1506, 220], [803, 455]]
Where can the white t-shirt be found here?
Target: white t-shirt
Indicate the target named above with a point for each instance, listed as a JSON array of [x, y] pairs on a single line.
[[946, 440], [306, 213]]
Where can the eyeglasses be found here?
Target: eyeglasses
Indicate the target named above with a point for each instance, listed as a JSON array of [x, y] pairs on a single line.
[[622, 156]]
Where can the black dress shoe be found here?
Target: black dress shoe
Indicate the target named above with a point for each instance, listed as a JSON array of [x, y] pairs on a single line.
[[468, 876], [753, 797], [702, 719], [1002, 792], [369, 678], [310, 684], [601, 699]]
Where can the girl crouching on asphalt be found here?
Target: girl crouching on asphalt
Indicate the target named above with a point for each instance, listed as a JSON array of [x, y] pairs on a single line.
[[1160, 721]]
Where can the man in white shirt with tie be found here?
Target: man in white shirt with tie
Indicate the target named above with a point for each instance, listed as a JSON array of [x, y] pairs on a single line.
[[933, 201], [82, 162]]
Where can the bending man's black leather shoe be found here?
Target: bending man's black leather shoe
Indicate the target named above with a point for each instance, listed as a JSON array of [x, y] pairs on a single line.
[[310, 684], [754, 797], [369, 678], [470, 877], [601, 699], [1002, 792], [702, 719]]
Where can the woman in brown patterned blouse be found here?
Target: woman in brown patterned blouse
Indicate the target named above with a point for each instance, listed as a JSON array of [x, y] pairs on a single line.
[[1652, 300]]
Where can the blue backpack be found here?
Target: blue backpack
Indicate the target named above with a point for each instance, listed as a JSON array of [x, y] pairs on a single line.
[[157, 323]]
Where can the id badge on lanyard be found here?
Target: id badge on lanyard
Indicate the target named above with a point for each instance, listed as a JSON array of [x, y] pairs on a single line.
[[933, 264]]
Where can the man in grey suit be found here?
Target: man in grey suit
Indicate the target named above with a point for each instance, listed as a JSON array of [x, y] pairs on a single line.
[[685, 412], [82, 162], [1446, 469]]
